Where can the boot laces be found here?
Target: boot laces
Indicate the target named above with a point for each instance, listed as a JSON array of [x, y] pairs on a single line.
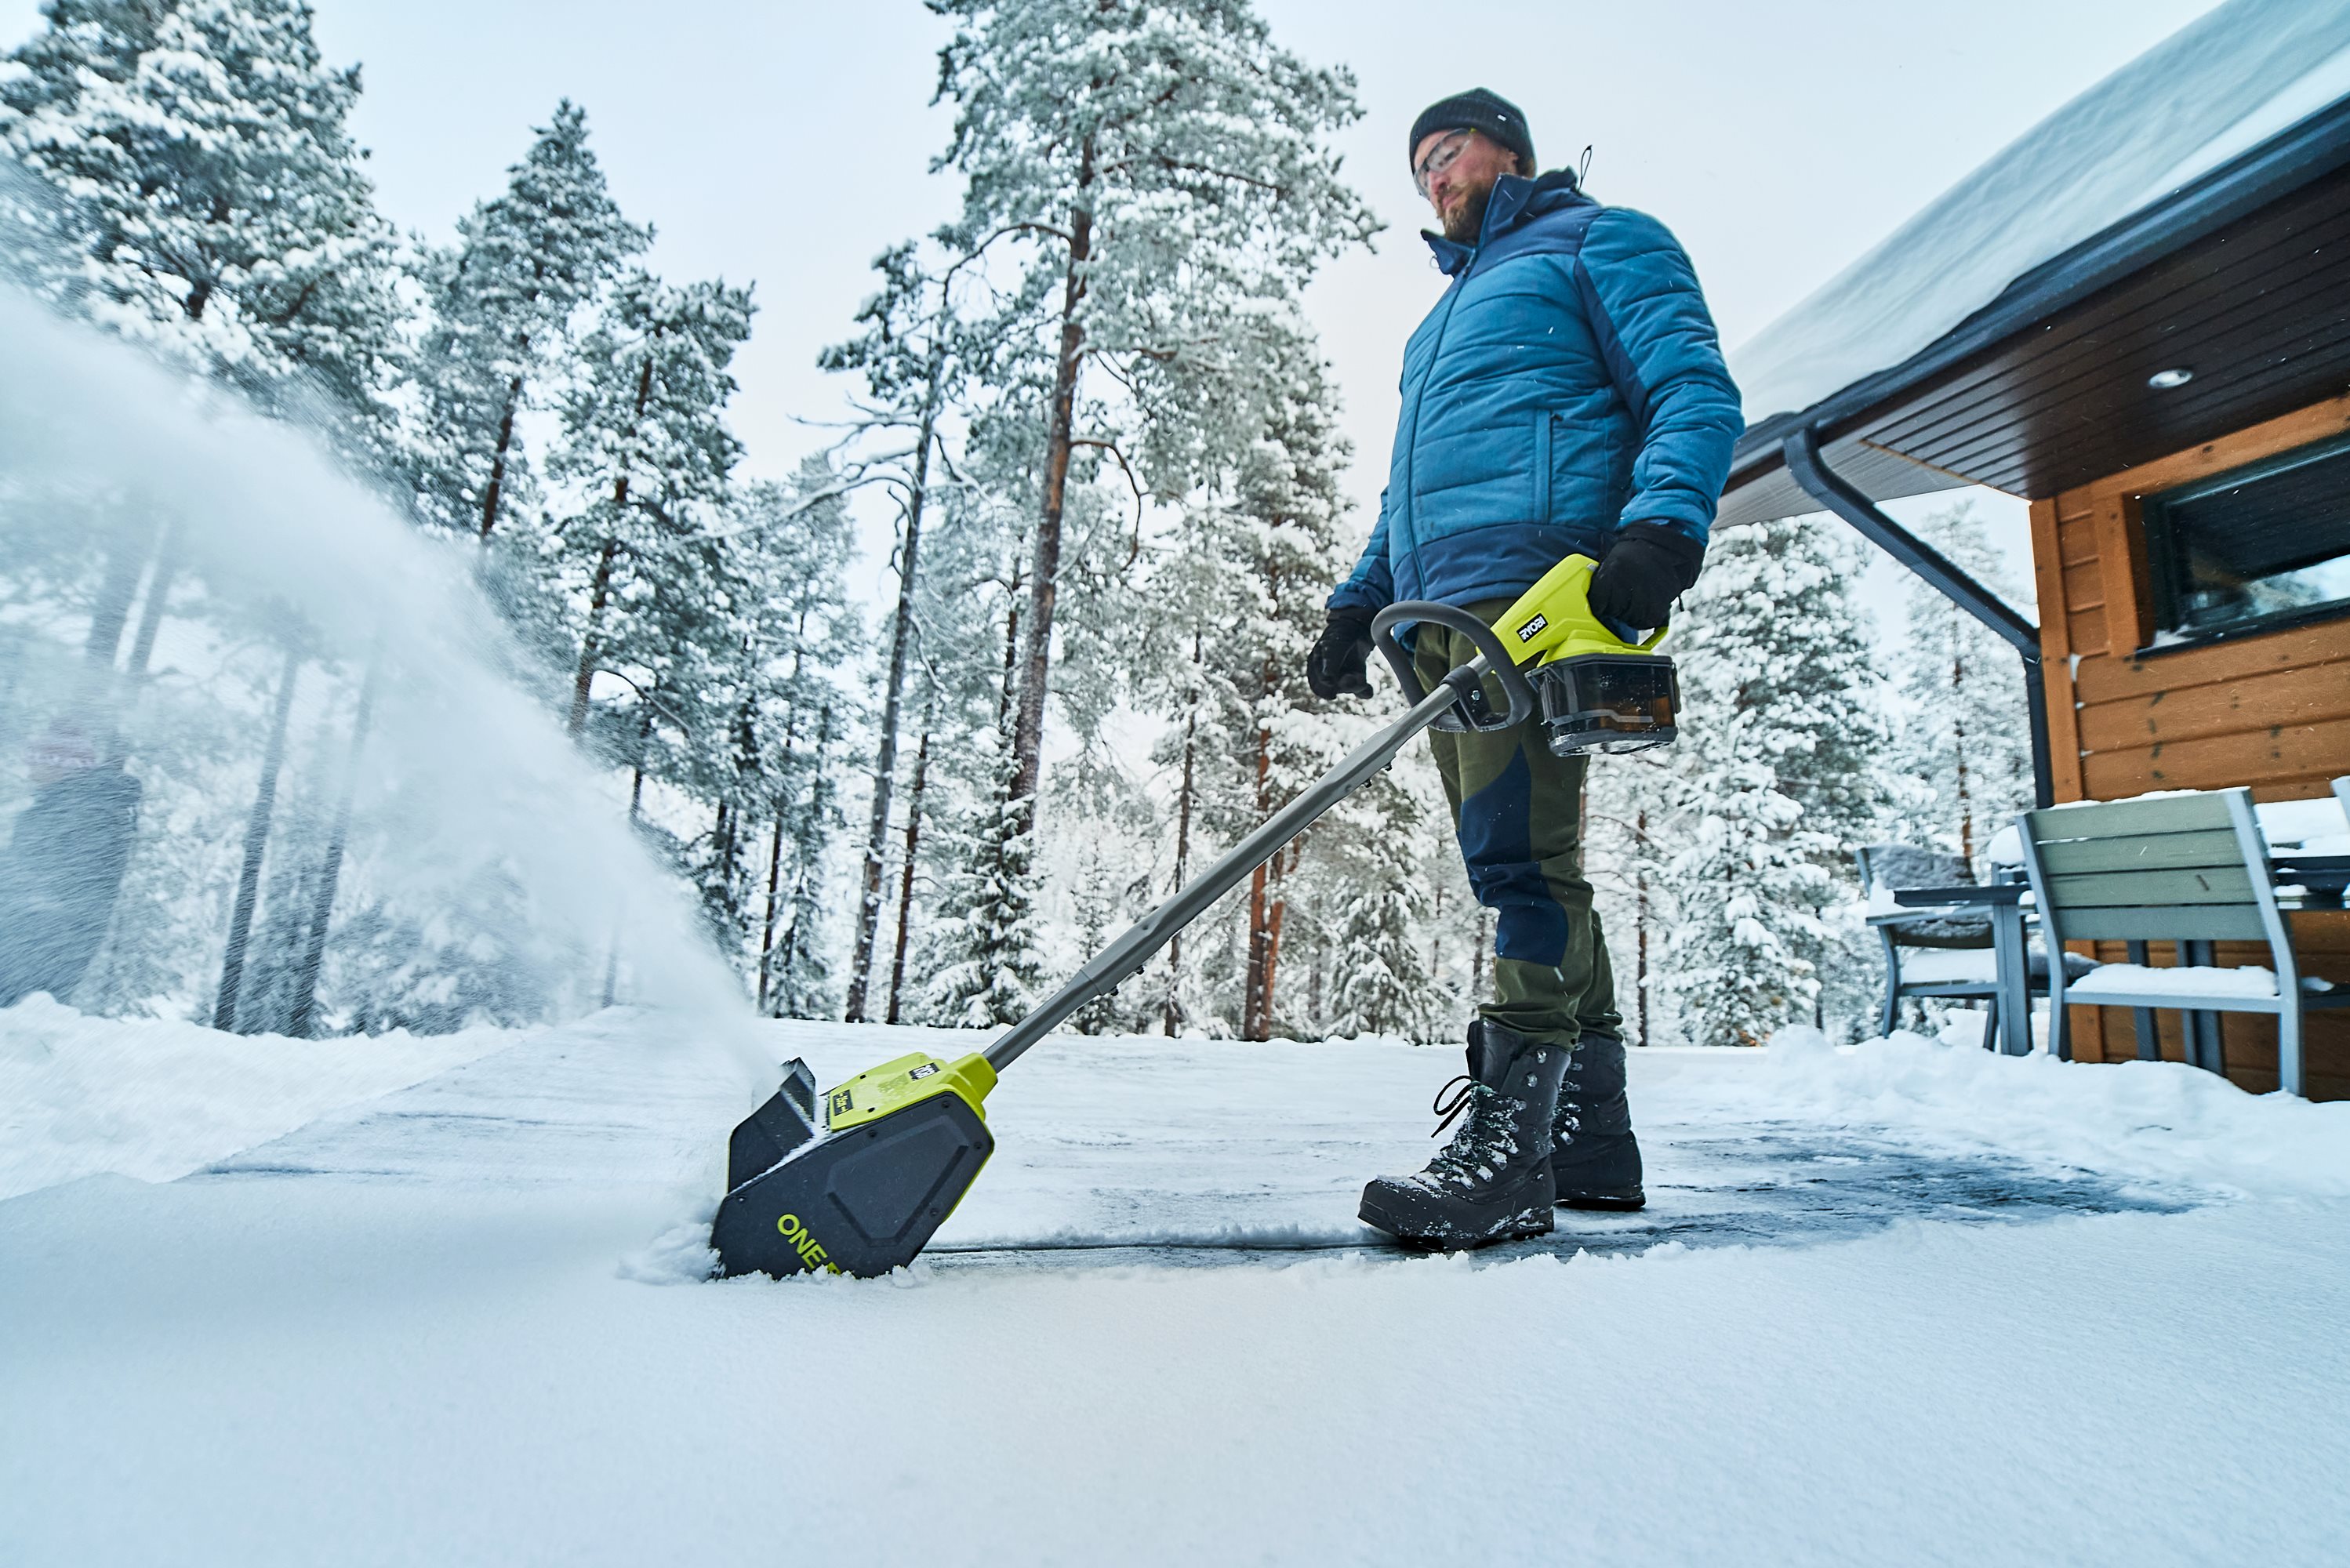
[[1481, 1143], [1460, 1088]]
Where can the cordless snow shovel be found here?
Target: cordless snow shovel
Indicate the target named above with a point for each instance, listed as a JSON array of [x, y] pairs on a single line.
[[858, 1180]]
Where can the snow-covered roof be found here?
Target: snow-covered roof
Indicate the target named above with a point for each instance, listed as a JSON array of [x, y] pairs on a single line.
[[2215, 88]]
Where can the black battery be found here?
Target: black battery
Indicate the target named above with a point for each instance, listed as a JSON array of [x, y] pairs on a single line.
[[1607, 701]]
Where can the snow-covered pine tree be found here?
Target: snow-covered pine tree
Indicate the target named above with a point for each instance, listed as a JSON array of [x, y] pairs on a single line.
[[213, 205], [771, 777], [1237, 594], [1782, 768], [982, 911], [1628, 810], [912, 359], [984, 956], [1737, 965], [1381, 984], [1159, 161], [645, 442], [1963, 690], [503, 300]]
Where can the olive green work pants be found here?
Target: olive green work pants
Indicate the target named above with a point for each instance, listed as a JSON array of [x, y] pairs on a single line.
[[1517, 811]]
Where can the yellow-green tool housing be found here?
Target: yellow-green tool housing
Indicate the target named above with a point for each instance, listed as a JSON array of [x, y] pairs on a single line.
[[900, 1144], [1599, 691]]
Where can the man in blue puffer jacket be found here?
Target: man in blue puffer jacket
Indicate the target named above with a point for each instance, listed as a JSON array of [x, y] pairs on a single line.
[[1565, 395]]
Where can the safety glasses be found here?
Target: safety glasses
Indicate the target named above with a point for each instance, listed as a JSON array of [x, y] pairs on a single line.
[[1439, 158]]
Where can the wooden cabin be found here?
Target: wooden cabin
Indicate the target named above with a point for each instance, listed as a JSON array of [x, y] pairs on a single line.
[[2165, 379]]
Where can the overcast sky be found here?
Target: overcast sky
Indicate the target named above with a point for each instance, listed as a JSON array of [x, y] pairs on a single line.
[[786, 142]]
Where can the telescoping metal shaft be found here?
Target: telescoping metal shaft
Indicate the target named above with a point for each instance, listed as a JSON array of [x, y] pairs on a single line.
[[1125, 957]]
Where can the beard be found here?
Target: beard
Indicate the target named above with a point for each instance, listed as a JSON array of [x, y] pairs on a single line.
[[1464, 222]]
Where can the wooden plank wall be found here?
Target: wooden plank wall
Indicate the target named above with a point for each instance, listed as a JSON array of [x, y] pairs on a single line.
[[2271, 711]]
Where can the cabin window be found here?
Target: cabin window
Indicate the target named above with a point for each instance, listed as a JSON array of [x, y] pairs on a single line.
[[2264, 545]]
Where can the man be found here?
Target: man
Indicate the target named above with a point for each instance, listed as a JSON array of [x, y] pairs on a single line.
[[1566, 395]]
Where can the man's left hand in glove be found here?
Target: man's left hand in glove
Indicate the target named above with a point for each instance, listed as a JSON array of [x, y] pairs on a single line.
[[1649, 567]]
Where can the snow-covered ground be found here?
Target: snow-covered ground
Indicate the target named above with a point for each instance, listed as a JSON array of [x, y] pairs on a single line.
[[1909, 1304]]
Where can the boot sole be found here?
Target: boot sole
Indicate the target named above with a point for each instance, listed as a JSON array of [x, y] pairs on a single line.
[[1605, 1202], [1421, 1236]]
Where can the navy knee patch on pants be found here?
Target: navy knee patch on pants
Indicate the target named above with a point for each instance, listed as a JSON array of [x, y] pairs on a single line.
[[1497, 842]]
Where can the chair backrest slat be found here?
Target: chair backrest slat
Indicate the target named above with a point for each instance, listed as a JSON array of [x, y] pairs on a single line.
[[2161, 885], [2178, 923], [2142, 817], [2202, 847]]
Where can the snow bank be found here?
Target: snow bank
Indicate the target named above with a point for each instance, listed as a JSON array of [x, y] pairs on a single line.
[[2162, 1123], [157, 1098]]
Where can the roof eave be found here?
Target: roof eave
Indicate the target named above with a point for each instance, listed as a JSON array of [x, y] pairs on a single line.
[[2307, 150]]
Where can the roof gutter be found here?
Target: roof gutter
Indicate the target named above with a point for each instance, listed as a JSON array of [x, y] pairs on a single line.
[[1800, 449]]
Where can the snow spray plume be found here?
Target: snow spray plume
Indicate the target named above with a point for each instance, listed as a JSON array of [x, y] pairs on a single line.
[[194, 597]]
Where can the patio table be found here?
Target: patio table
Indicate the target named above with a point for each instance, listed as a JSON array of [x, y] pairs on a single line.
[[2321, 877], [2004, 903]]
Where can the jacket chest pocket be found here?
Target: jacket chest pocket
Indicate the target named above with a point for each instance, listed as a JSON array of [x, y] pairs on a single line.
[[1545, 422]]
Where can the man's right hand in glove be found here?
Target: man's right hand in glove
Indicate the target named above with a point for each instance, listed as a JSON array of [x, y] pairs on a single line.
[[1337, 664]]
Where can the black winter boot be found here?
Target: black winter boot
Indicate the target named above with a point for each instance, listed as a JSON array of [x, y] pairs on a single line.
[[1595, 1160], [1492, 1182]]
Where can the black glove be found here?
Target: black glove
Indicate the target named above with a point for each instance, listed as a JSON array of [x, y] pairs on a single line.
[[1340, 654], [1649, 567]]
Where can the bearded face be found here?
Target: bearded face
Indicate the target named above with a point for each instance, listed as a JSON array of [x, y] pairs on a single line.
[[1459, 180]]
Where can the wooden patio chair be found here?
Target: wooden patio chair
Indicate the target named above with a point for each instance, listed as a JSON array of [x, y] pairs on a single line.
[[1940, 953], [2190, 869]]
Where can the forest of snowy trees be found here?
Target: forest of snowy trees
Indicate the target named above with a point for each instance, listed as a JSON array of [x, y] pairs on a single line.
[[1100, 414]]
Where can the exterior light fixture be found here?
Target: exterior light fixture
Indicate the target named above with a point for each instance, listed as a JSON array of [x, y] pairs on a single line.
[[2164, 380]]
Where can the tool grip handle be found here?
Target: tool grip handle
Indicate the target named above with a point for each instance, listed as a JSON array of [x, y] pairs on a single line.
[[1470, 709]]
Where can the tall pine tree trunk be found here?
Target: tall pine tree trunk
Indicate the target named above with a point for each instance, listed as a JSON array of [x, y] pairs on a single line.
[[906, 876], [159, 594], [885, 761], [330, 870], [257, 840], [1959, 750], [1174, 1014], [1003, 693], [599, 594], [1640, 918], [804, 863], [495, 489], [1263, 918], [1035, 671], [767, 924]]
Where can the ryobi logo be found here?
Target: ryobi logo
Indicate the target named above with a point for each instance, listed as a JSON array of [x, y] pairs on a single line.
[[810, 1249], [924, 1071], [1526, 632]]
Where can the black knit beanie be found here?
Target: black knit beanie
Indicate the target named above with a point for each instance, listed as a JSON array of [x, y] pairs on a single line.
[[1477, 109]]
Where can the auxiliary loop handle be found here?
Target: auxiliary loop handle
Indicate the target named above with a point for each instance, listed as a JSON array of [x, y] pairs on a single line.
[[1470, 709]]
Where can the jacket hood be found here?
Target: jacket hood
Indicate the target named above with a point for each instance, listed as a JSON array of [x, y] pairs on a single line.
[[1515, 200]]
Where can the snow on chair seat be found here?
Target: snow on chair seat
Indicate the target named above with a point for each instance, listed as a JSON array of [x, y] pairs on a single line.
[[2184, 980], [2191, 868], [1958, 966]]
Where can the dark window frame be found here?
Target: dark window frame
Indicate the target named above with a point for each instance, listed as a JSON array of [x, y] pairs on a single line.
[[2165, 557]]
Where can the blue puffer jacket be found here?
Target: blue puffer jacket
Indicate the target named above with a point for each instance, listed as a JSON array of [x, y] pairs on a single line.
[[1568, 382]]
